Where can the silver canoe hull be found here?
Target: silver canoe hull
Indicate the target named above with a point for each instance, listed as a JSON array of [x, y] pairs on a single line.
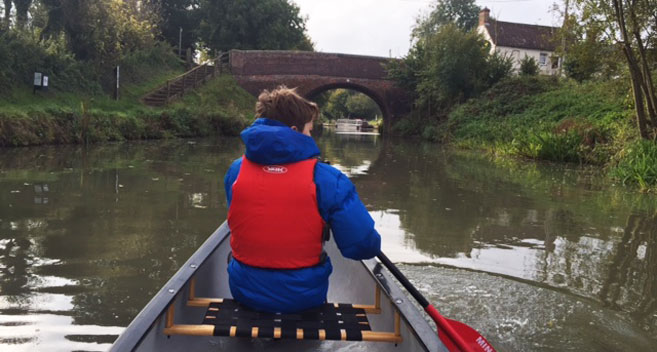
[[351, 282]]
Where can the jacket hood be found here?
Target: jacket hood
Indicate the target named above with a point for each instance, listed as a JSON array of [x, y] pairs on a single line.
[[272, 142]]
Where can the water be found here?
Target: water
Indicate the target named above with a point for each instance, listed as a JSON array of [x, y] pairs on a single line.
[[537, 257]]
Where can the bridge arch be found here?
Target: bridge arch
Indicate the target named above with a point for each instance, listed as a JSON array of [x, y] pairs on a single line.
[[352, 86], [312, 73]]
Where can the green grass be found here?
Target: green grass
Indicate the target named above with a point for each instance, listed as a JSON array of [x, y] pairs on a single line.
[[637, 165]]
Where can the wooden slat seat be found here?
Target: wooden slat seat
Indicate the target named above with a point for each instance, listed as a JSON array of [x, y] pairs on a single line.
[[330, 321]]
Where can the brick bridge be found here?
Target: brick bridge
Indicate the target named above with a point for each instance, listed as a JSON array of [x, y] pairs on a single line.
[[313, 73]]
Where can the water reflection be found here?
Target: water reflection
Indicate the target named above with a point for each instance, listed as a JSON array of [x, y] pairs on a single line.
[[91, 234], [88, 235]]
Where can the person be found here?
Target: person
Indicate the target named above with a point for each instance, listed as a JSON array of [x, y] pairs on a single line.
[[280, 198]]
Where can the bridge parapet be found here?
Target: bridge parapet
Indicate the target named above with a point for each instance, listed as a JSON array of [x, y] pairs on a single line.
[[312, 73], [270, 62]]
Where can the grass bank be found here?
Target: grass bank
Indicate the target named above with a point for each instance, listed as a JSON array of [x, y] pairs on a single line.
[[56, 117], [544, 118]]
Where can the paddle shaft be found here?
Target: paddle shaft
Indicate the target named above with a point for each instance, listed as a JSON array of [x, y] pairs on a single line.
[[430, 309]]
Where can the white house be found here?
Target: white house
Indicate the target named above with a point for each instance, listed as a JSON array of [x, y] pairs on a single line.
[[518, 39]]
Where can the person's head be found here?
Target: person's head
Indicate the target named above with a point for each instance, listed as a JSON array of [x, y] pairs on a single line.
[[285, 105]]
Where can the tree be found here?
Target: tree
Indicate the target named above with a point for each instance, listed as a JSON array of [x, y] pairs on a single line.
[[448, 66], [361, 106], [252, 24], [175, 15], [462, 13], [100, 32], [336, 105], [631, 26]]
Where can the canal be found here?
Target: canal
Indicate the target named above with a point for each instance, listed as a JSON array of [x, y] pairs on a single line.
[[537, 257]]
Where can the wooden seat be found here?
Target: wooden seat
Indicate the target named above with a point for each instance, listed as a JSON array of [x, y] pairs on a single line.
[[330, 321]]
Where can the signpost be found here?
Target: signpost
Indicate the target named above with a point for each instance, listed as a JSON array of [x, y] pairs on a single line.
[[40, 82]]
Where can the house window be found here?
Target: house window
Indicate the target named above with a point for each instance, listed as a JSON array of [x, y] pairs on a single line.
[[554, 60], [542, 59]]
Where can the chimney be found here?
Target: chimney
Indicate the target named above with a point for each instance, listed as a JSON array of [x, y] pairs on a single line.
[[484, 16]]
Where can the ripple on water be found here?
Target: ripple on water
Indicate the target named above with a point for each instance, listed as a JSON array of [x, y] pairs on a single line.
[[517, 316]]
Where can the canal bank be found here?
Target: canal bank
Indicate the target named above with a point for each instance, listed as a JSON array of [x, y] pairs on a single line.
[[219, 107], [550, 119]]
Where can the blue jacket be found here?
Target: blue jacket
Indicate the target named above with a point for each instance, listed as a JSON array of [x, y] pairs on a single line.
[[270, 142]]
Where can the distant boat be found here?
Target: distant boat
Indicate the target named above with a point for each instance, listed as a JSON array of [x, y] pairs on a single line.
[[349, 125]]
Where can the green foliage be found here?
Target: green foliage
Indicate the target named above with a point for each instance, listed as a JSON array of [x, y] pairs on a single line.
[[362, 106], [545, 145], [454, 67], [630, 27], [499, 67], [446, 68], [462, 13], [100, 32], [587, 53], [173, 15], [252, 24], [21, 54], [528, 66], [219, 107], [141, 65], [638, 165]]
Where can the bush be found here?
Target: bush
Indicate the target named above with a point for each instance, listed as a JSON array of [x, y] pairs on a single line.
[[638, 165], [143, 64], [543, 118], [21, 54], [499, 68], [528, 66]]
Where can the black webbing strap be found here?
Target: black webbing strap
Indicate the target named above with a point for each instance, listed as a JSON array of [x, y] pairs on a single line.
[[327, 317]]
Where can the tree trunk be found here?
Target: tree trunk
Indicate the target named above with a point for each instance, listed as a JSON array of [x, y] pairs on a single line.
[[635, 72], [647, 83], [635, 77]]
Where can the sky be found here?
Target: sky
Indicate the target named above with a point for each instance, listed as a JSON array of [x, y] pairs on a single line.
[[383, 27]]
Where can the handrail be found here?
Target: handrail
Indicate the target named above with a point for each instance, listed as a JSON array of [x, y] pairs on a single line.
[[196, 76], [186, 73]]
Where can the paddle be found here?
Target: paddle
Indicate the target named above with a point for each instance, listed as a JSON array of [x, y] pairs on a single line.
[[455, 335]]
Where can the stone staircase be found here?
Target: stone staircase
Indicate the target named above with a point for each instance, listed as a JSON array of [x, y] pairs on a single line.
[[177, 87]]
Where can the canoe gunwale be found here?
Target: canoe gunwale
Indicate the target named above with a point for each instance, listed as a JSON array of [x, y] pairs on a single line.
[[138, 328]]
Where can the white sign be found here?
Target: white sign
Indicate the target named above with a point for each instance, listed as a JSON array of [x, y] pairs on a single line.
[[45, 81], [37, 78]]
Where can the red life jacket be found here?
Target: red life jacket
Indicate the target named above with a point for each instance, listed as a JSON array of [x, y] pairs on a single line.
[[273, 216]]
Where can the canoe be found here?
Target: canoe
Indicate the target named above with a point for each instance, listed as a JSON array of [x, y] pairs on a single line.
[[186, 314]]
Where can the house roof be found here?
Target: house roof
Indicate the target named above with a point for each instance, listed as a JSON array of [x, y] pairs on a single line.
[[520, 35]]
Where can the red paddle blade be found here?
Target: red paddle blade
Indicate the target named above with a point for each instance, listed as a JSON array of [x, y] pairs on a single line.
[[474, 341]]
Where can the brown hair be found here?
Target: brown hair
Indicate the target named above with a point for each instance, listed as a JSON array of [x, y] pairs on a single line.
[[287, 106]]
